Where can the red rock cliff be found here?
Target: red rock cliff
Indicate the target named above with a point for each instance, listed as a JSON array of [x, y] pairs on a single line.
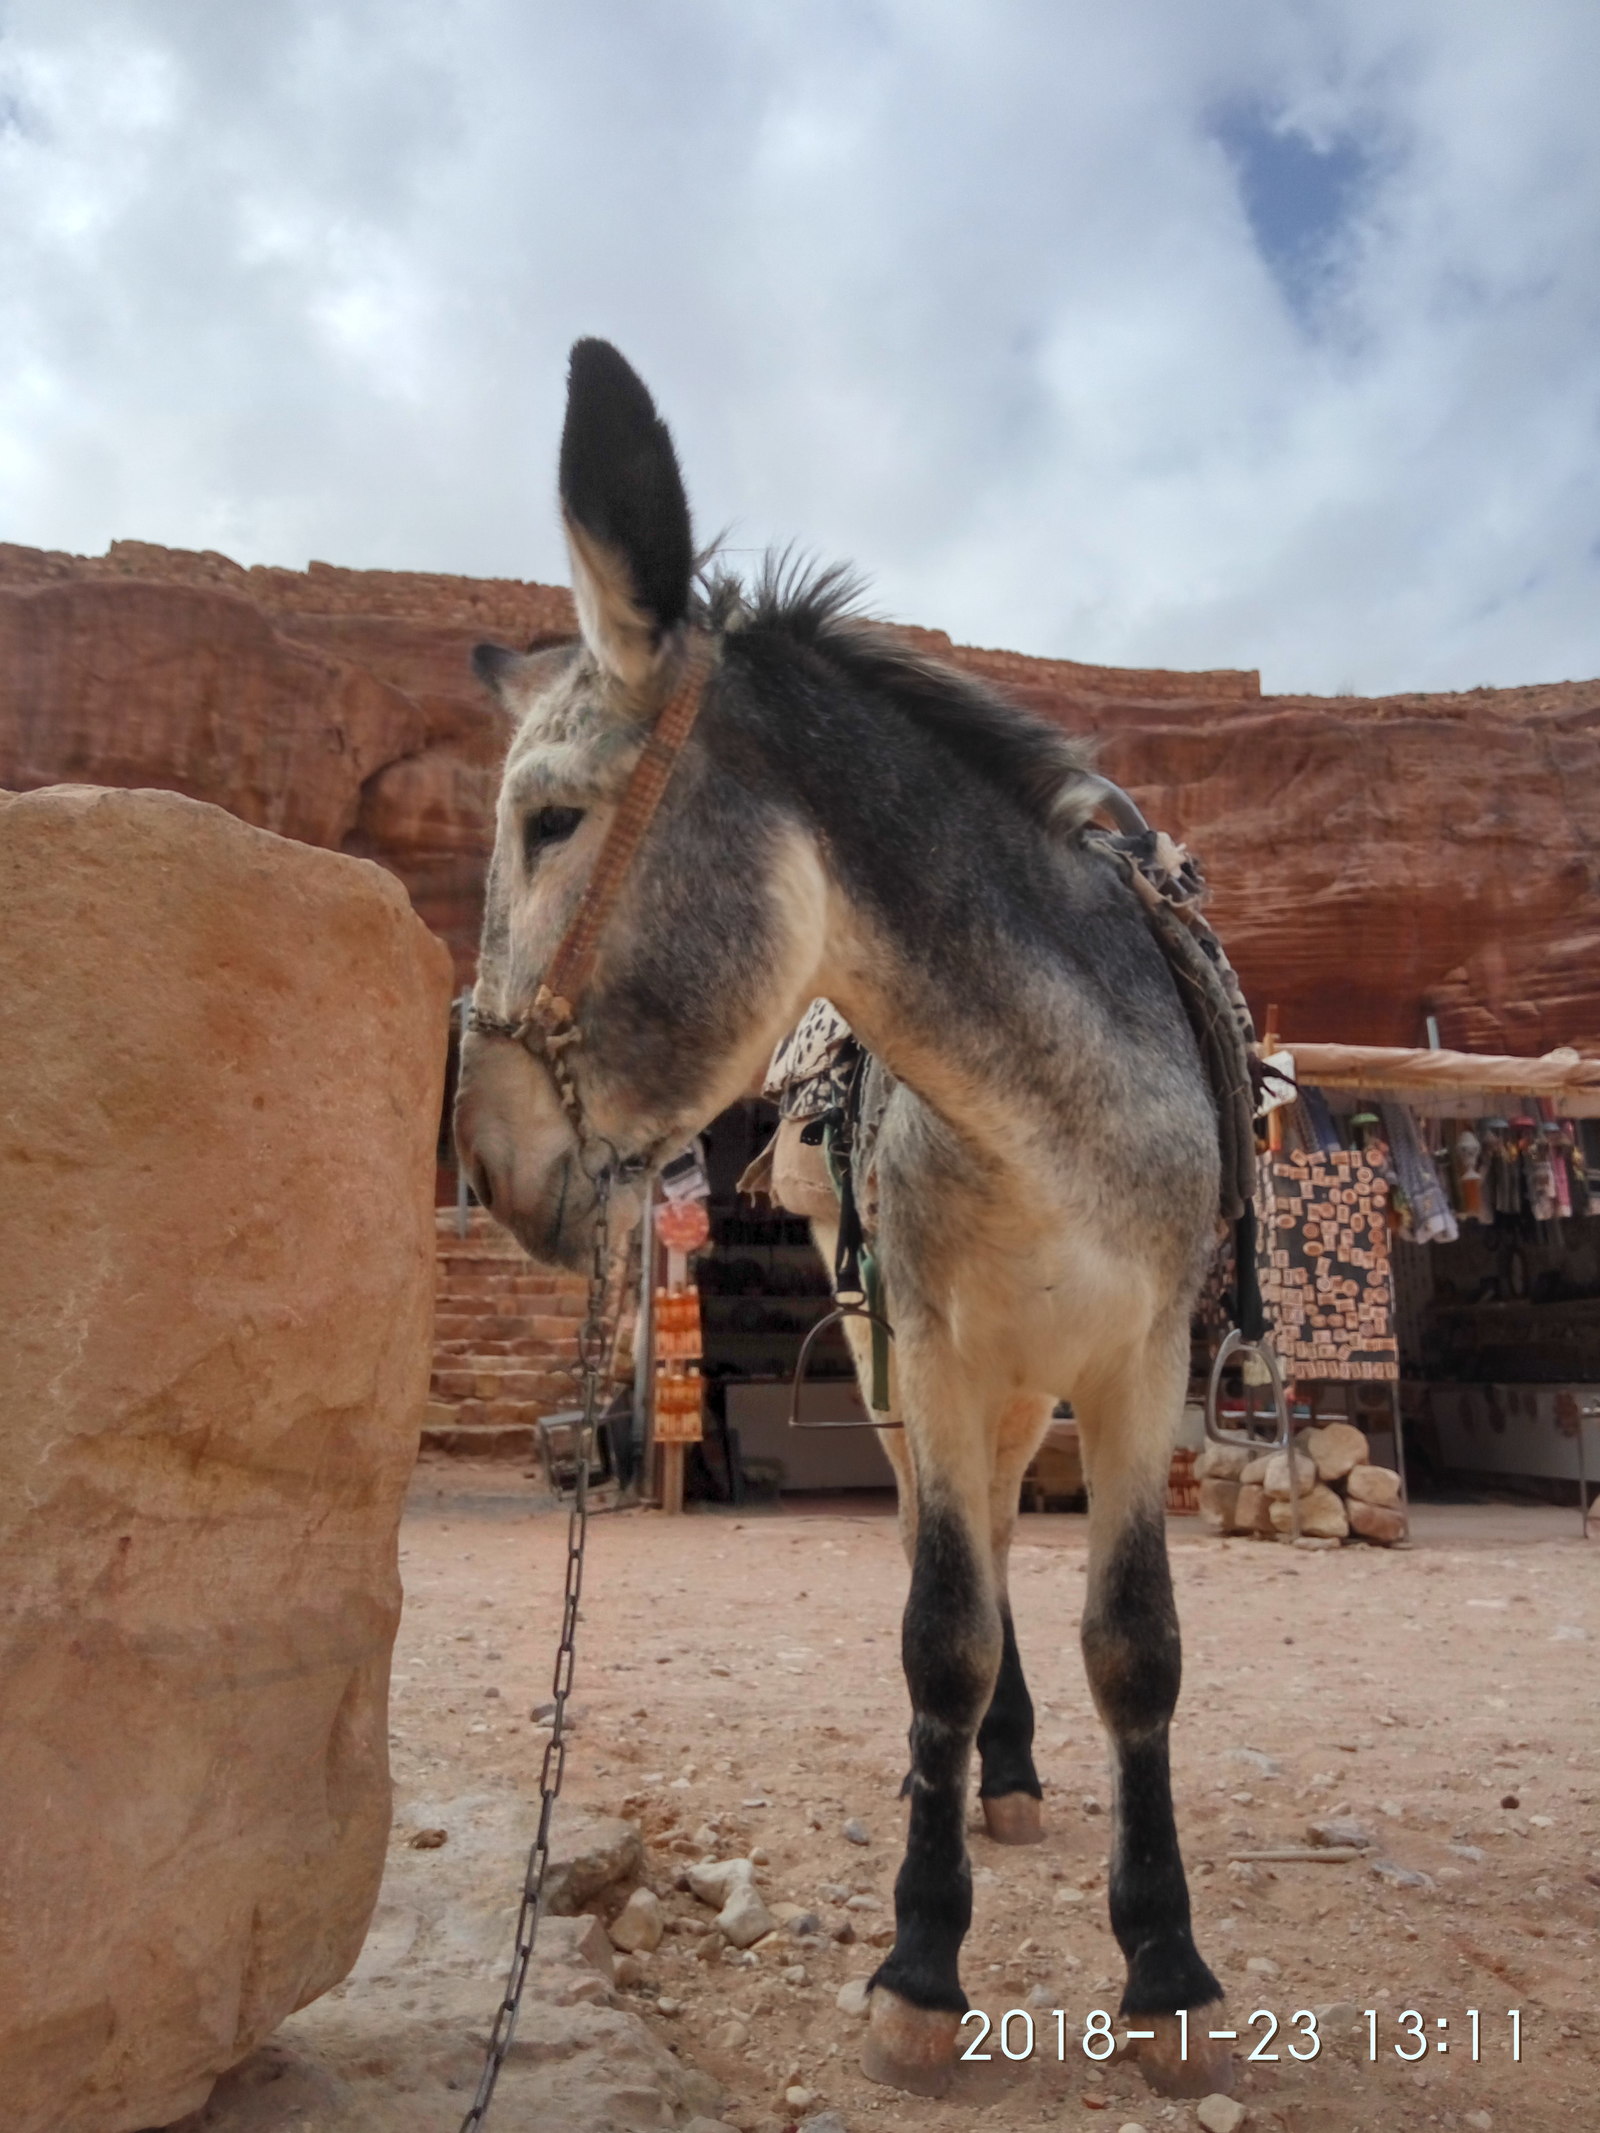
[[1373, 859]]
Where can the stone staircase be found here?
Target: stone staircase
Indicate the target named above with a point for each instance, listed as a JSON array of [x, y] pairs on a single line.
[[503, 1342]]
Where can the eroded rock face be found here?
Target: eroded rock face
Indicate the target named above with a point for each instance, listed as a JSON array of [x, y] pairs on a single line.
[[220, 1063], [1373, 859]]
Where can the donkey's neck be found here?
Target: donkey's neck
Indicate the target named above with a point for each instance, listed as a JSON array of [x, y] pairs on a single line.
[[945, 945], [999, 969], [912, 1006]]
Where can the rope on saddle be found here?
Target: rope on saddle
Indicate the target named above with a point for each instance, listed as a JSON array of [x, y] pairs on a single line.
[[1168, 882]]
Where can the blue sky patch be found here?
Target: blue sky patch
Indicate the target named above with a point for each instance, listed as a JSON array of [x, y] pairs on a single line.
[[1298, 198]]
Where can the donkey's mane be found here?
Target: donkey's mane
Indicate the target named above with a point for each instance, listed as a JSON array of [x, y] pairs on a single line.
[[819, 607]]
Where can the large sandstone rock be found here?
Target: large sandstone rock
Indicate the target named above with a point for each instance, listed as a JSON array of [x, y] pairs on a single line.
[[1219, 1501], [220, 1068], [1336, 1447], [1322, 1514], [1373, 1484], [1289, 1473], [1221, 1462], [1383, 1523], [1252, 1510]]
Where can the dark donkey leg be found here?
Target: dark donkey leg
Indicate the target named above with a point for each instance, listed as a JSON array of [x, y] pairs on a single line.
[[950, 1642], [1009, 1784], [1131, 1651]]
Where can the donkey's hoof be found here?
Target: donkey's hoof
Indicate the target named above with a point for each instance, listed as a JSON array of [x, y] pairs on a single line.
[[1206, 2069], [1014, 1818], [909, 2047]]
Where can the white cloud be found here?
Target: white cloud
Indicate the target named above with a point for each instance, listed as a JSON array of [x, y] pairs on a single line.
[[967, 292]]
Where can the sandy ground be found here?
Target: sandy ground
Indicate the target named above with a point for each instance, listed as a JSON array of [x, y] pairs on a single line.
[[738, 1687]]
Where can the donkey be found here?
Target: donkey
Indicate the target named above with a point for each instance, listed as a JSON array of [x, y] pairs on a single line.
[[852, 820]]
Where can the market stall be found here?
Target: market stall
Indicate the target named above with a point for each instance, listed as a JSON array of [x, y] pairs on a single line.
[[1429, 1229]]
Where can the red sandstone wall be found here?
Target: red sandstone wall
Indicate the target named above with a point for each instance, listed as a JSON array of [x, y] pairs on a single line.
[[1373, 858]]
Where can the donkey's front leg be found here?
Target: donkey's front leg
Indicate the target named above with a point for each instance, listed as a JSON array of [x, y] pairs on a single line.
[[1131, 1650], [950, 1643]]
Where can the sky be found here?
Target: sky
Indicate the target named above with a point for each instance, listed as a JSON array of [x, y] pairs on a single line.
[[1263, 333]]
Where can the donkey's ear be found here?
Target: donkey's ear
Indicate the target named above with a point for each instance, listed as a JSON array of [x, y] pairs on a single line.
[[626, 516], [515, 679], [495, 666]]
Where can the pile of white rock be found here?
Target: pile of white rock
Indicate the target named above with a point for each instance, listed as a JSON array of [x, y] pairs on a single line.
[[1341, 1494]]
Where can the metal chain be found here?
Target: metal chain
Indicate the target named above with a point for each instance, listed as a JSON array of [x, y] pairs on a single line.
[[593, 1343]]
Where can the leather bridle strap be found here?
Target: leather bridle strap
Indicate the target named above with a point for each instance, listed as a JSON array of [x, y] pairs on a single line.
[[551, 1027], [572, 965]]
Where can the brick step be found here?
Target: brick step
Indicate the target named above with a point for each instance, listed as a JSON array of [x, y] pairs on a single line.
[[475, 1252], [510, 1282], [505, 1326], [554, 1396], [486, 1380], [506, 1440], [519, 1269], [459, 1346], [563, 1303]]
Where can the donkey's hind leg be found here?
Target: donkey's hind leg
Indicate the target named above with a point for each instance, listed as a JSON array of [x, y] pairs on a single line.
[[1131, 1651], [951, 1644], [1008, 1785]]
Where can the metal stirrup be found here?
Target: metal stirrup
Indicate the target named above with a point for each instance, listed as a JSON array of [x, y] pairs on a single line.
[[1233, 1344]]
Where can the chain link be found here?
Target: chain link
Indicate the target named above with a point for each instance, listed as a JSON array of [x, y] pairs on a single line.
[[593, 1347]]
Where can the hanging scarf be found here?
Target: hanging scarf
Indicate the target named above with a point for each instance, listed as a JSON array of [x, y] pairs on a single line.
[[1431, 1221]]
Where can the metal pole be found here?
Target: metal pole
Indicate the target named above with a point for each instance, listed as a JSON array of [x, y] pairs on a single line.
[[644, 1341], [1400, 1450], [463, 1189], [1583, 1471]]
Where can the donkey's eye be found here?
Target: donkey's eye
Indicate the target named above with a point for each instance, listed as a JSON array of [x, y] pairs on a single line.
[[547, 826]]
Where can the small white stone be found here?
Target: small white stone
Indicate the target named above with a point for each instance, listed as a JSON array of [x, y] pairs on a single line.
[[855, 1832], [1262, 1966], [639, 1924], [798, 2098], [714, 1880], [1337, 2016], [667, 2007], [852, 1997], [744, 1918], [1219, 2114], [732, 2037]]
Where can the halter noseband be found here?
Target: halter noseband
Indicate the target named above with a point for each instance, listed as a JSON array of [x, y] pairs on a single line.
[[551, 1028]]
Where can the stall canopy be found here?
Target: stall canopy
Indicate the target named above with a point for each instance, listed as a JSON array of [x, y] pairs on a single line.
[[1568, 1081]]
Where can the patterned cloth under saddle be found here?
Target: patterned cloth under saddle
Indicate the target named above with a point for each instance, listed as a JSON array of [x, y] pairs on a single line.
[[809, 1077]]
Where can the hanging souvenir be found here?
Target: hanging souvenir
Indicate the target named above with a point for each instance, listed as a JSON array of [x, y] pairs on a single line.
[[1467, 1168], [677, 1325], [678, 1409], [1557, 1142], [682, 1225], [1540, 1171]]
